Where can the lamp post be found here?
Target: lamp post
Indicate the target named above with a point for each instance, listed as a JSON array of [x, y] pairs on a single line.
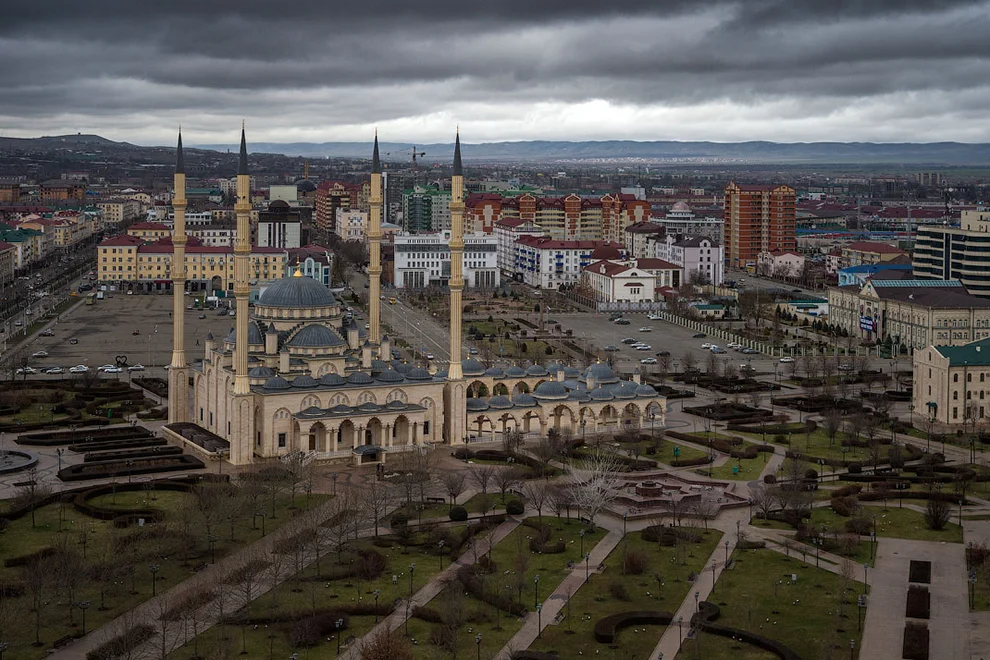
[[59, 452], [333, 477], [624, 516], [680, 632], [83, 605], [581, 535], [412, 569], [852, 647], [477, 643], [587, 567], [440, 554], [339, 623], [213, 546], [3, 647], [727, 546], [539, 621], [697, 595], [154, 568], [713, 577], [866, 576], [377, 593], [536, 590]]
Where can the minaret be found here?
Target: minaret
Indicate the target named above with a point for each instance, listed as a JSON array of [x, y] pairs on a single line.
[[455, 395], [456, 283], [375, 250], [242, 290], [178, 377]]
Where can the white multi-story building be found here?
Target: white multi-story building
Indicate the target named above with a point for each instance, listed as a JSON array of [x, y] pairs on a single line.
[[680, 219], [781, 265], [423, 260], [507, 232], [350, 224], [546, 263], [698, 256], [618, 281]]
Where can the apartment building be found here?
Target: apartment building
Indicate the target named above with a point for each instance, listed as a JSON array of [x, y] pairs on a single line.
[[952, 383], [960, 253], [423, 260], [758, 218], [546, 263]]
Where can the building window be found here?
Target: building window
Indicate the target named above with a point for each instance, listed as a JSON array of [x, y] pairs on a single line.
[[955, 413], [426, 428], [955, 396], [955, 378], [257, 440], [281, 439]]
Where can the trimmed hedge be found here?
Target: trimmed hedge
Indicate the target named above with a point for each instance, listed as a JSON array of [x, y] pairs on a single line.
[[158, 449], [54, 438], [709, 612], [468, 577], [515, 508], [607, 628], [458, 514], [916, 642], [123, 645], [107, 469]]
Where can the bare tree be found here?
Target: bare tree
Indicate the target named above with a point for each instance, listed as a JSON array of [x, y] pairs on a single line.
[[596, 485], [164, 617], [538, 495], [711, 364], [453, 484], [690, 361], [31, 494], [560, 500], [706, 510], [764, 498], [378, 498], [482, 475], [386, 645], [833, 422], [663, 367], [512, 441], [37, 578], [506, 479]]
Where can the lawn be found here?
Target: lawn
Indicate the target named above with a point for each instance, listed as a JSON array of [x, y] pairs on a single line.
[[817, 444], [612, 592], [120, 557], [749, 469], [687, 452], [758, 594], [893, 523], [473, 505]]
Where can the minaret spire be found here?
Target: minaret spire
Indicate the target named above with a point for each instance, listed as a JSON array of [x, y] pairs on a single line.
[[242, 165], [178, 375], [455, 397], [457, 169], [180, 162], [242, 290], [375, 251]]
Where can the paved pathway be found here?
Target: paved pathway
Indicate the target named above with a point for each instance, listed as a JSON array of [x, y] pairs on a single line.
[[884, 625]]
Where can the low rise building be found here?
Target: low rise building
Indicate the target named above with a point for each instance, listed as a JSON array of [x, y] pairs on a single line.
[[680, 219], [8, 262], [637, 238], [423, 260], [314, 261], [351, 224], [546, 263], [619, 281], [61, 190], [869, 252], [857, 275], [149, 231], [117, 211], [701, 258], [780, 265], [507, 232], [707, 311], [912, 313], [280, 226], [952, 383]]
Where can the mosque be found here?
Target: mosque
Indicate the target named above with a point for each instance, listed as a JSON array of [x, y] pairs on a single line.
[[295, 375]]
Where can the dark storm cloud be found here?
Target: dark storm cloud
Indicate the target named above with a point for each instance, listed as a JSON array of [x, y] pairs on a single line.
[[318, 71]]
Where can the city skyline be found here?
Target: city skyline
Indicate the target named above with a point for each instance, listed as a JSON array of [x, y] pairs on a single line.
[[728, 71]]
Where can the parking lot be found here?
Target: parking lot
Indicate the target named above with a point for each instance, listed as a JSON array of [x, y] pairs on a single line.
[[106, 330]]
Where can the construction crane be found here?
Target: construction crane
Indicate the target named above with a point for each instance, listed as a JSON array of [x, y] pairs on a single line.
[[415, 154]]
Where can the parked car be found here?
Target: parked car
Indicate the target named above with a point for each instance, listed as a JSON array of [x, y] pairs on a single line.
[[787, 359], [113, 370], [654, 317], [48, 333], [733, 345], [73, 341], [749, 351], [846, 367], [646, 328], [136, 367], [796, 291], [611, 348], [429, 356], [40, 354], [698, 335], [644, 347], [473, 351], [202, 316], [707, 346], [54, 370], [663, 354], [105, 367], [26, 371], [718, 350], [648, 361], [630, 340], [79, 369], [622, 322]]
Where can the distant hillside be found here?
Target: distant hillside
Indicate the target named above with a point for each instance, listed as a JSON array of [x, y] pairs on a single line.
[[906, 153]]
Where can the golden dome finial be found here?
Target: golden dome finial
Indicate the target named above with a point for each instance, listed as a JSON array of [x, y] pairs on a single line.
[[298, 272]]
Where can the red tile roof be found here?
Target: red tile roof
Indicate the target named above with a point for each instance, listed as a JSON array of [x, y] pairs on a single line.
[[547, 243], [149, 225], [872, 246], [4, 246], [656, 264], [124, 240]]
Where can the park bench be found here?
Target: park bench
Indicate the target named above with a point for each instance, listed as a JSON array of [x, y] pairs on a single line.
[[199, 567], [585, 520], [435, 500], [61, 641], [24, 484]]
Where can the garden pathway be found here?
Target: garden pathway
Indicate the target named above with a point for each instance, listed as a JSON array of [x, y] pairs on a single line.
[[556, 601], [884, 624]]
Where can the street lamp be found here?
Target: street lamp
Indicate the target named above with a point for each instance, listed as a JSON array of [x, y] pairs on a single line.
[[852, 647], [727, 546], [3, 647], [83, 605], [213, 547], [536, 590], [581, 535], [440, 554], [587, 566], [333, 477], [338, 624], [59, 452], [539, 620], [680, 632], [412, 569], [377, 593], [866, 576], [477, 643], [154, 568], [697, 595]]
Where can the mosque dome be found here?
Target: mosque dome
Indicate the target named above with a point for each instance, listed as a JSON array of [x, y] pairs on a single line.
[[315, 335], [550, 390], [297, 292], [494, 372], [441, 374], [305, 185], [476, 405], [645, 390], [601, 394], [378, 366], [359, 378], [602, 373], [304, 381], [572, 372], [261, 372], [418, 373], [395, 404], [536, 370], [401, 367], [680, 206], [581, 396], [500, 402], [332, 379], [389, 376], [515, 372], [626, 391], [276, 383], [471, 367], [523, 399]]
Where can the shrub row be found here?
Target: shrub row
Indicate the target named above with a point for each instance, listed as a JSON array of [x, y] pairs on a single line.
[[540, 542], [606, 628], [108, 469], [915, 645], [157, 449], [708, 612], [51, 438], [123, 645], [791, 428], [468, 577]]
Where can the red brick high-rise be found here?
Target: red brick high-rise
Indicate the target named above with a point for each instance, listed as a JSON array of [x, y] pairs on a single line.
[[758, 218]]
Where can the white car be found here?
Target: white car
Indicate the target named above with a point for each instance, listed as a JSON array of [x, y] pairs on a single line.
[[26, 370], [136, 367], [648, 361], [707, 346], [733, 345], [646, 328], [429, 356], [113, 370], [105, 367], [54, 370], [79, 369], [644, 347], [40, 354], [654, 317], [787, 359]]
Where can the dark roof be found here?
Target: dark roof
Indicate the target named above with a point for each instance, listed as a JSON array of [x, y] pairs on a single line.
[[242, 165], [316, 336], [973, 354], [933, 298], [695, 241], [298, 292]]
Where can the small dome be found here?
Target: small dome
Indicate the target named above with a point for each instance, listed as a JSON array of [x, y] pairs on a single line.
[[261, 372], [536, 370], [378, 366], [315, 335], [601, 394], [297, 292], [680, 206], [572, 372], [579, 395], [626, 391], [554, 367], [304, 186], [550, 390], [494, 372], [395, 404], [500, 402], [523, 399], [341, 409], [602, 373], [332, 379], [359, 378], [369, 407], [471, 367], [401, 367], [312, 411], [515, 372], [476, 405], [389, 376], [441, 374], [276, 383], [304, 381], [645, 390], [418, 373]]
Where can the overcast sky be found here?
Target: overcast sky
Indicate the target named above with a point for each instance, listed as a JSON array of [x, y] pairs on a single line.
[[312, 70]]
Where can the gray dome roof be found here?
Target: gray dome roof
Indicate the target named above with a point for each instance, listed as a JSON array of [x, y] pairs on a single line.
[[389, 376], [297, 292], [471, 367], [476, 405], [340, 409], [378, 366], [523, 399], [515, 371], [315, 335], [254, 335], [550, 390], [332, 379], [580, 396], [305, 186], [645, 390], [441, 374], [418, 373], [494, 372], [536, 370], [369, 406], [501, 402], [601, 394], [261, 372], [312, 410], [304, 381], [626, 391], [276, 383], [401, 367], [359, 378], [395, 404], [572, 372], [602, 373]]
